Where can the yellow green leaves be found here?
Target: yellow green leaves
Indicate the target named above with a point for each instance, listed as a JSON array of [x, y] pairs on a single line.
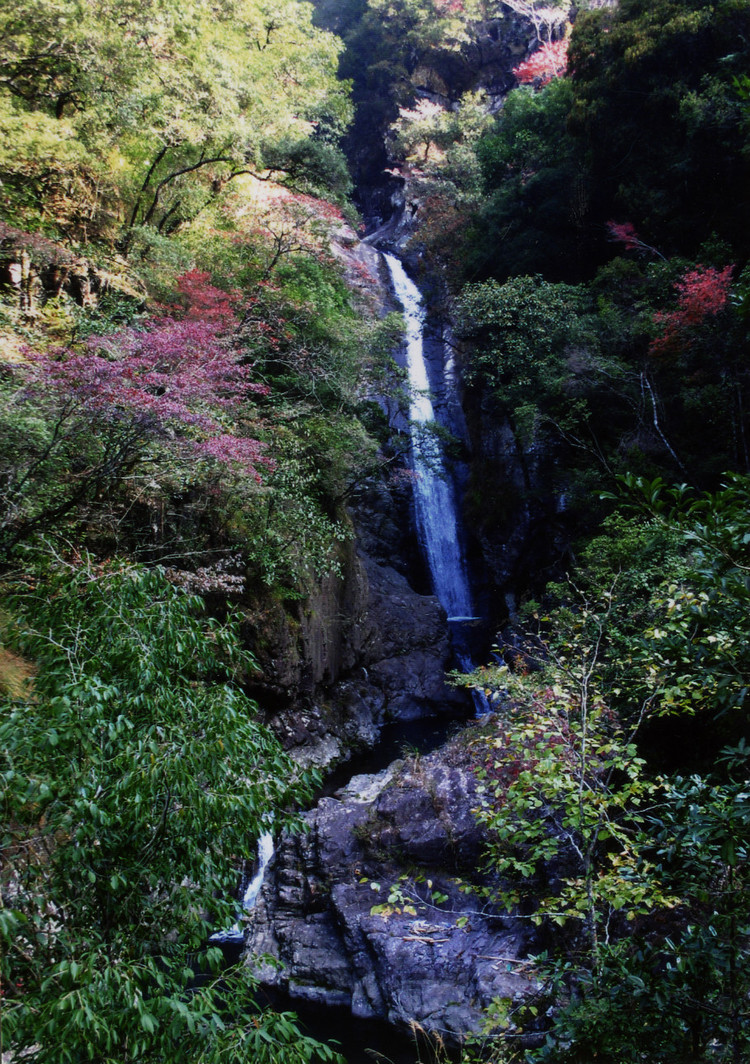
[[178, 96]]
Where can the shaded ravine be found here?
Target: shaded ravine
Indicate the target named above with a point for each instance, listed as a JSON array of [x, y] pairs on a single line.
[[439, 541], [349, 973], [438, 537]]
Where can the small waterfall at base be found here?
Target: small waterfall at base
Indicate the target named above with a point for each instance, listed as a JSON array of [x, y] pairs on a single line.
[[434, 494], [265, 853], [252, 890]]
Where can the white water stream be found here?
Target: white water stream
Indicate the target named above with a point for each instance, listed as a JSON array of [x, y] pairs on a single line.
[[437, 526], [252, 890], [265, 853], [434, 494]]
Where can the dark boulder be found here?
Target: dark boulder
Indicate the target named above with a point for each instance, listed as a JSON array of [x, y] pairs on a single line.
[[368, 908]]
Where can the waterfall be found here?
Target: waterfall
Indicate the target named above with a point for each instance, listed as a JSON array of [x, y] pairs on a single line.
[[265, 852], [434, 495]]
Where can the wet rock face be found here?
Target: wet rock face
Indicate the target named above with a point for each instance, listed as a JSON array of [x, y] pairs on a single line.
[[364, 650], [412, 961], [364, 647], [515, 504], [409, 649]]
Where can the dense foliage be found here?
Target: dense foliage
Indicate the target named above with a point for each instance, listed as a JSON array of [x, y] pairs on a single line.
[[185, 380], [134, 772], [649, 127], [115, 117], [592, 235], [189, 358], [640, 879]]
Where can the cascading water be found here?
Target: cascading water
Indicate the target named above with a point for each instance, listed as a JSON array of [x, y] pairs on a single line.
[[252, 890], [436, 521], [434, 494], [439, 537], [433, 490], [265, 853]]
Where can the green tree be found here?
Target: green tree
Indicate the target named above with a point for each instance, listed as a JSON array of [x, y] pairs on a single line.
[[119, 116], [660, 119], [646, 878], [563, 788], [564, 802], [676, 988], [135, 779], [533, 217], [703, 850], [518, 333], [694, 652]]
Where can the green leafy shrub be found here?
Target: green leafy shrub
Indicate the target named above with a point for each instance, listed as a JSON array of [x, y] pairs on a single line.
[[135, 779]]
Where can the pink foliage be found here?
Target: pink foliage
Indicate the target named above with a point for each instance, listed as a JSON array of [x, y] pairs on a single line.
[[172, 370], [314, 206], [624, 233], [702, 293], [236, 450], [549, 61], [158, 380], [203, 301]]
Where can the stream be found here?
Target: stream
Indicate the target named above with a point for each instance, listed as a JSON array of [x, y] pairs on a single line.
[[434, 493]]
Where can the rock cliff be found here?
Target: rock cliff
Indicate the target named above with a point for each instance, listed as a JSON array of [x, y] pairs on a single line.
[[36, 270], [368, 908], [363, 649]]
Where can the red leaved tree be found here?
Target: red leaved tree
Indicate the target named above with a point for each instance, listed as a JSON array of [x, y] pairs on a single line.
[[200, 300], [624, 233], [81, 420], [702, 293], [549, 61]]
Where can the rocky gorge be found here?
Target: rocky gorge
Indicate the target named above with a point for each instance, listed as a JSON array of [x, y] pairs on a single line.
[[369, 646], [376, 906]]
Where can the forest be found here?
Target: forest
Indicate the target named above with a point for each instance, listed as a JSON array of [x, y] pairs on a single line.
[[198, 372]]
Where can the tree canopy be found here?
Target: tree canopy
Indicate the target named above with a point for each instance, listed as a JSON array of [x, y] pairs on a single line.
[[114, 116], [134, 772]]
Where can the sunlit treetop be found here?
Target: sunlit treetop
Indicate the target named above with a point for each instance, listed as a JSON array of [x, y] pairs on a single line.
[[146, 109]]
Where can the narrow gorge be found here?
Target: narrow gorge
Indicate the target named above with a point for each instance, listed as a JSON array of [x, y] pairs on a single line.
[[430, 956]]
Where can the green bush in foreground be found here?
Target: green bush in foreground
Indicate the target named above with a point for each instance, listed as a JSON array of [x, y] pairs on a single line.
[[135, 779]]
